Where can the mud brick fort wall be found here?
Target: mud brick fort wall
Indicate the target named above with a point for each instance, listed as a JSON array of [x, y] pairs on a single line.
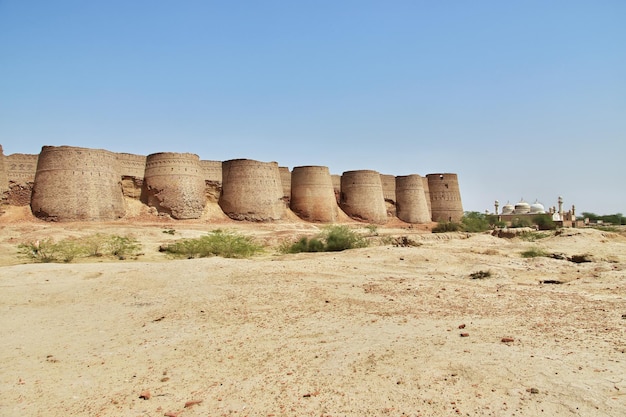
[[65, 183]]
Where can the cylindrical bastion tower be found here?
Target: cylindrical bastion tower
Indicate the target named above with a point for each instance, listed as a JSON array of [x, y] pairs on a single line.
[[362, 196], [77, 184], [313, 195], [445, 197], [251, 190], [174, 184], [411, 206]]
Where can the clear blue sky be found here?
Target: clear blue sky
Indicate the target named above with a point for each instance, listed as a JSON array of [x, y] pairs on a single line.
[[519, 98]]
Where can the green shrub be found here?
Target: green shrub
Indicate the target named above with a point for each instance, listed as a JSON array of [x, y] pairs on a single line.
[[533, 253], [226, 244], [95, 245], [47, 250], [372, 229], [41, 251], [122, 246], [68, 249], [332, 239], [340, 238], [304, 245], [443, 227]]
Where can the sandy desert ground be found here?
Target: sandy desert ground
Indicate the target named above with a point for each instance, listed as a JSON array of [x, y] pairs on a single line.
[[379, 331]]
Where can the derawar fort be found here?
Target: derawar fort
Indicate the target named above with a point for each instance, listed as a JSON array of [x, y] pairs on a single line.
[[65, 183]]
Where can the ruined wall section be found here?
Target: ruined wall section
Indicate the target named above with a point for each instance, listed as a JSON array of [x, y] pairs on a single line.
[[336, 180], [21, 169], [427, 194], [411, 205], [388, 183], [212, 172], [362, 196], [131, 165], [132, 168], [252, 190], [77, 184], [174, 184], [313, 195], [445, 197], [285, 180]]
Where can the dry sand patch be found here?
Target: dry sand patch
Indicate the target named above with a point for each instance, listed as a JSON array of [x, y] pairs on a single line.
[[372, 331]]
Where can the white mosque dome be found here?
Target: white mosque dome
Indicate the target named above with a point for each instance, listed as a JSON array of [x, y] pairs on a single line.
[[507, 208], [522, 207], [537, 208]]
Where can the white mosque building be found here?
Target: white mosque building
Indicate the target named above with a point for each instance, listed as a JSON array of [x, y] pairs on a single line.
[[511, 212]]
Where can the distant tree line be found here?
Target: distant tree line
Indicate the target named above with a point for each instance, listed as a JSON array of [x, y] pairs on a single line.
[[616, 219]]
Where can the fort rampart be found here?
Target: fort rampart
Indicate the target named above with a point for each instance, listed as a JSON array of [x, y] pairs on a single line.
[[67, 183]]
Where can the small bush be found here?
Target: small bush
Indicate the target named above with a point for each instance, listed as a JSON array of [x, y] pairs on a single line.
[[373, 229], [69, 249], [340, 238], [47, 250], [217, 243], [443, 227], [305, 245], [44, 251], [95, 245], [533, 253], [169, 231], [332, 239], [480, 275], [122, 246]]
